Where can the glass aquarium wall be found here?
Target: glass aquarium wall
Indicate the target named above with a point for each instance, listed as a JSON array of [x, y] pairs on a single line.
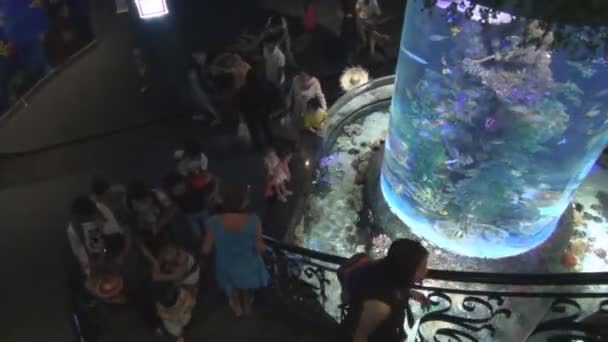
[[496, 119]]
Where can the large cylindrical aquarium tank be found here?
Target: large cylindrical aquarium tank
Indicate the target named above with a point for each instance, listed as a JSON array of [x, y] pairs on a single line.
[[499, 112]]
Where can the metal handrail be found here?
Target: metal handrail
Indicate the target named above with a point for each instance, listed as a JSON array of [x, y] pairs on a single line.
[[23, 101], [524, 279]]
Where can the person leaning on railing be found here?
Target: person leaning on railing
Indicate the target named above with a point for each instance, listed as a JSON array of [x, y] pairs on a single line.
[[379, 294]]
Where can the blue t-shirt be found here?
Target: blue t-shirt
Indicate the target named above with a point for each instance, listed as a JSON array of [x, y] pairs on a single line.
[[24, 20]]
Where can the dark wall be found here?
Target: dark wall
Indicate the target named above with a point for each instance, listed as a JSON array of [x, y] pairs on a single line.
[[192, 25], [206, 25]]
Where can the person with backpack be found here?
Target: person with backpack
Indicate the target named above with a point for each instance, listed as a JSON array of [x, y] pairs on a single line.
[[377, 292]]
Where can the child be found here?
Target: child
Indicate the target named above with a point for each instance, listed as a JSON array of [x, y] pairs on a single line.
[[271, 160], [191, 161], [279, 173], [314, 116], [175, 309], [304, 87]]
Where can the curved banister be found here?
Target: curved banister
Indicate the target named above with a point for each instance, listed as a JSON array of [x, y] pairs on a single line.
[[524, 279]]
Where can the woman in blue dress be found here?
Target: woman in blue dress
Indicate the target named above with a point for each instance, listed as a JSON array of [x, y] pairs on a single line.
[[237, 236]]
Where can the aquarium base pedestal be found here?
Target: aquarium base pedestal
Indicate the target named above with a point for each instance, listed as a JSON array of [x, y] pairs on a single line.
[[544, 258]]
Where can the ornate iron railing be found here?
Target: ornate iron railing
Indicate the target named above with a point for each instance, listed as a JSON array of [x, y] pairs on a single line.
[[464, 306]]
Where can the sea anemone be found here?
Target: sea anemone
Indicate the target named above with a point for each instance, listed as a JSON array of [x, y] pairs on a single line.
[[352, 77]]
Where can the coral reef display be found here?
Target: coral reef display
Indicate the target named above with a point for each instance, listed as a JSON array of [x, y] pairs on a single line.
[[493, 127]]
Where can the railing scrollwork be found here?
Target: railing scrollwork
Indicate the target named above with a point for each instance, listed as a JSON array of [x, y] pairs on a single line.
[[462, 306]]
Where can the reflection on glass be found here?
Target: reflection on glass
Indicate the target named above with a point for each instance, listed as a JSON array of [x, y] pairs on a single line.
[[495, 121]]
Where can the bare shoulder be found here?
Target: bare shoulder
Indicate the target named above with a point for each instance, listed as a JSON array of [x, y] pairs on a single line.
[[376, 308]]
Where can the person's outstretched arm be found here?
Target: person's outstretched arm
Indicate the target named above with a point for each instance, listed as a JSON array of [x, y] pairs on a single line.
[[319, 94]]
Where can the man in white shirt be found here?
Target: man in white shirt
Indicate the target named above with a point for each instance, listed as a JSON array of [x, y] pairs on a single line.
[[274, 60], [88, 228]]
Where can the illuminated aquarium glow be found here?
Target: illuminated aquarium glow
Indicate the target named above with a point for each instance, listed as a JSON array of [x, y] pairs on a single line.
[[495, 121]]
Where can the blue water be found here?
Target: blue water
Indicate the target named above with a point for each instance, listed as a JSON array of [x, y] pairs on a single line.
[[489, 138]]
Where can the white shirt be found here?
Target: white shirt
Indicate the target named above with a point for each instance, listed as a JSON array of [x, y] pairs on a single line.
[[79, 248], [275, 63], [192, 278], [186, 166], [300, 95]]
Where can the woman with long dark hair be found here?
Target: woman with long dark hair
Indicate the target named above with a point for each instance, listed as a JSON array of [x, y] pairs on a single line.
[[380, 292]]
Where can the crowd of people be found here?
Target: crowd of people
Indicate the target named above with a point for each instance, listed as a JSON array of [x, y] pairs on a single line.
[[115, 232], [36, 35], [262, 89], [195, 226], [151, 246]]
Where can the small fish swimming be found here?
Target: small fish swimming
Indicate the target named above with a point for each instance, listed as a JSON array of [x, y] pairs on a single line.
[[455, 29], [329, 160], [437, 122], [400, 189], [513, 39], [601, 93], [424, 134], [563, 141], [445, 63], [437, 37], [490, 123], [446, 71], [518, 109], [516, 173], [535, 118], [497, 142], [414, 57], [593, 112]]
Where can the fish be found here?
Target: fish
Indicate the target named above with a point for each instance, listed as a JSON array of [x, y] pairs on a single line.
[[497, 142], [563, 141], [516, 173], [584, 70], [601, 93], [414, 57], [593, 112], [535, 118], [437, 37], [455, 29], [329, 160], [445, 63], [437, 122], [424, 134], [400, 189], [490, 123], [513, 39], [446, 71], [519, 109]]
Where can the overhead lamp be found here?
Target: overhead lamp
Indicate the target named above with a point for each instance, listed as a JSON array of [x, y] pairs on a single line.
[[151, 8]]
